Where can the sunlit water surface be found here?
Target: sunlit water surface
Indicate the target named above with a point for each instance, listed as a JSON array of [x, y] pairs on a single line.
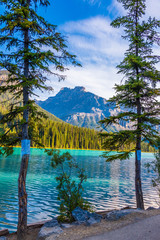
[[109, 185]]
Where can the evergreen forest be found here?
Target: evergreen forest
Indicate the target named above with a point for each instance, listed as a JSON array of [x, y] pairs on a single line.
[[54, 133]]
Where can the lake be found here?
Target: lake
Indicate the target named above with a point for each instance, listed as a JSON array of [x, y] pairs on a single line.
[[109, 185]]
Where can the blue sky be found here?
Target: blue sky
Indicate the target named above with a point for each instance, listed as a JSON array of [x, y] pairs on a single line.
[[86, 24], [61, 11], [98, 46]]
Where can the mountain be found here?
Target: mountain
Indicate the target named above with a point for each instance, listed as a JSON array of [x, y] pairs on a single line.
[[80, 107], [52, 132], [55, 133]]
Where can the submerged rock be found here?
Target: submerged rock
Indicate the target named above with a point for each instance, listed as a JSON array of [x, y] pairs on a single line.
[[117, 214], [3, 238], [83, 216]]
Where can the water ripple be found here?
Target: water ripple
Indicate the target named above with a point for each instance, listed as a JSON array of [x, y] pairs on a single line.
[[109, 185]]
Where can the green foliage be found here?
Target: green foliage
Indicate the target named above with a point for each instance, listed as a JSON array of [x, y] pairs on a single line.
[[138, 92], [29, 46], [69, 190], [54, 133]]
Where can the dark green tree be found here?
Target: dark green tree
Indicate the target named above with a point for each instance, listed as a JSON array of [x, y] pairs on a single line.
[[137, 94], [30, 45]]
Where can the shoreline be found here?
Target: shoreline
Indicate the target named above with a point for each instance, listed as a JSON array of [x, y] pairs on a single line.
[[79, 149], [41, 223], [81, 231]]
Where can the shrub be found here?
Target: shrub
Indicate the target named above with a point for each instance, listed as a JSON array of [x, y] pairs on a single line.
[[69, 190]]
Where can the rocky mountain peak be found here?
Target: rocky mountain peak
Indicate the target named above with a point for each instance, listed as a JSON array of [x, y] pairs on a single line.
[[81, 108], [77, 106], [79, 88], [76, 89]]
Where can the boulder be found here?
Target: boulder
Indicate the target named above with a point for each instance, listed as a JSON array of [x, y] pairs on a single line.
[[66, 225], [50, 229], [51, 223], [3, 238], [83, 216], [151, 208], [96, 217], [117, 214], [80, 215], [91, 221]]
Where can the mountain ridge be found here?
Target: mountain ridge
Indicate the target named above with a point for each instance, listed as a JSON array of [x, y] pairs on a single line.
[[80, 107]]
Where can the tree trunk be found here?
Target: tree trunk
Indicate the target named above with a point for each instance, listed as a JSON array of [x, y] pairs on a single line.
[[25, 144], [22, 196], [138, 185]]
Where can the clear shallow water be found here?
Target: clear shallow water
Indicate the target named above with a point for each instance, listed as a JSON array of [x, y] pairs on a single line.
[[109, 185]]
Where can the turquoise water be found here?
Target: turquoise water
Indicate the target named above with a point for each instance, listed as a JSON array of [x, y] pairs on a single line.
[[109, 185]]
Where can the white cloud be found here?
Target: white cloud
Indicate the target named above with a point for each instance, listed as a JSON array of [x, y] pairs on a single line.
[[100, 48], [152, 8], [93, 2], [116, 9], [99, 81], [95, 40]]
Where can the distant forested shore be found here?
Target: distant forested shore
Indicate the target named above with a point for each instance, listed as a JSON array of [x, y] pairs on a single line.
[[62, 135]]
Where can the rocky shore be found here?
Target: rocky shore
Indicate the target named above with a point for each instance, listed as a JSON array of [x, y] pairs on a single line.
[[86, 224]]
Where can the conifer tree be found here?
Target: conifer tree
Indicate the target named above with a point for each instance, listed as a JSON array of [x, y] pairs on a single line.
[[30, 45], [138, 91]]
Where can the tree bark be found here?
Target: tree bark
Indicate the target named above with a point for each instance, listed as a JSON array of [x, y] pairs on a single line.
[[22, 196], [138, 185]]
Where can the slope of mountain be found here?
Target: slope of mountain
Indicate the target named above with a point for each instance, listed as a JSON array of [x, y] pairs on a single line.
[[80, 108], [53, 132], [6, 99]]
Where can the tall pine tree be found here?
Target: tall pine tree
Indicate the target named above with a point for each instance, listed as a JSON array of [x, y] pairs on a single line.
[[137, 93], [30, 45]]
